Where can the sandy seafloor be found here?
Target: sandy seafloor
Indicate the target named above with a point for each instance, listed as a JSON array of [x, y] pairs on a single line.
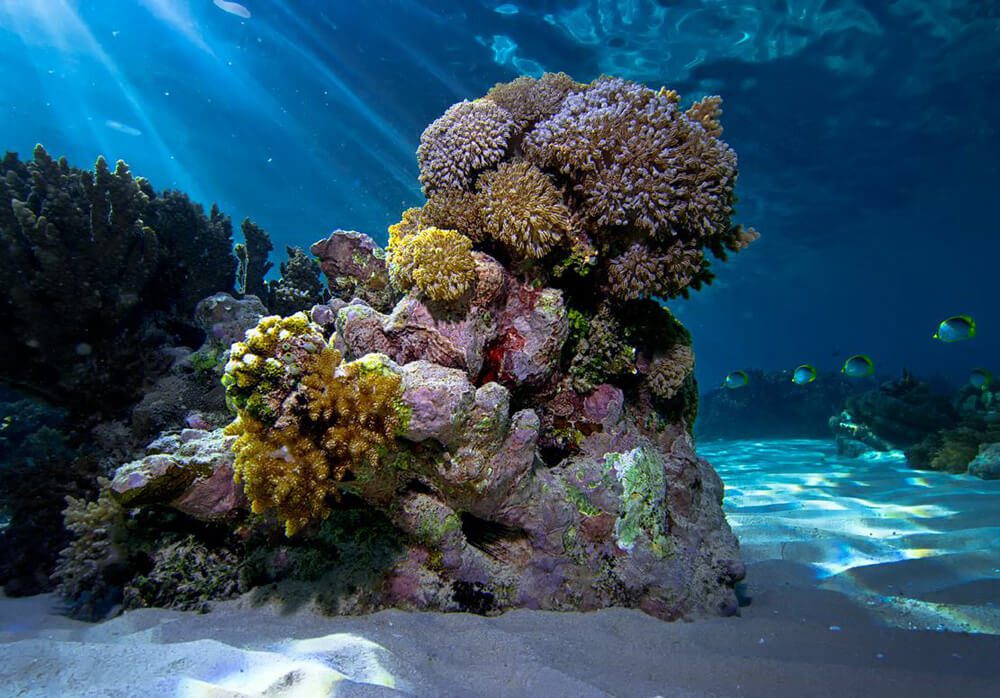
[[865, 579]]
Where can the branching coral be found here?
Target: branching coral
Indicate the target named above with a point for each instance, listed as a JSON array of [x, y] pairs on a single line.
[[83, 566], [252, 255], [305, 418], [529, 100], [522, 209], [299, 287], [468, 138], [438, 263], [90, 263]]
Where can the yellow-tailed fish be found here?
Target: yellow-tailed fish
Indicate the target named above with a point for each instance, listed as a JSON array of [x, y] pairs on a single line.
[[803, 374], [736, 379], [858, 366], [980, 378], [956, 328]]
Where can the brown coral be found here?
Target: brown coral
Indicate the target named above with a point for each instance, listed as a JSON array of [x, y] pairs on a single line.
[[638, 162], [668, 373], [707, 112], [522, 209], [530, 100], [642, 273], [454, 209], [466, 139]]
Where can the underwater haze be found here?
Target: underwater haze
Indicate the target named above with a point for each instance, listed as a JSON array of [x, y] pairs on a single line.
[[866, 131]]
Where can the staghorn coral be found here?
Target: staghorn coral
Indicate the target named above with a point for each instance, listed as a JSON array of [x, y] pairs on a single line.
[[522, 209], [529, 100], [438, 263], [468, 138], [707, 111], [668, 373], [85, 565]]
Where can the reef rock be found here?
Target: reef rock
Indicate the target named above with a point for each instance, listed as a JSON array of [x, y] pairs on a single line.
[[987, 463], [354, 267]]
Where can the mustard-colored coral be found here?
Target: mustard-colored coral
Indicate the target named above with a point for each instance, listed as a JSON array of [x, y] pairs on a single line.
[[409, 225], [522, 209], [438, 263], [271, 355], [341, 419]]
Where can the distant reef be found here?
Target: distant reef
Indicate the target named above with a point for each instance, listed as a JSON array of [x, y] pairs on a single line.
[[956, 434], [771, 406], [494, 411]]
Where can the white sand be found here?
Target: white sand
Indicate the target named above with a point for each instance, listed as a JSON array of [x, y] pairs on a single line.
[[807, 632]]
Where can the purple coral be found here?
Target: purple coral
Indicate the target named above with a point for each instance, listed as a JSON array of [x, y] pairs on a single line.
[[468, 138], [637, 161]]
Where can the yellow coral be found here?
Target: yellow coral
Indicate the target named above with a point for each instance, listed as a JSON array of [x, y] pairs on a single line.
[[454, 209], [260, 356], [438, 263], [409, 225], [346, 417], [522, 209]]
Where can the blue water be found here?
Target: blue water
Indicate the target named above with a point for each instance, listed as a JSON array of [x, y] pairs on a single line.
[[866, 132]]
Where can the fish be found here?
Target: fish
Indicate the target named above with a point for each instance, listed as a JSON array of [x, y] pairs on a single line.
[[736, 379], [956, 328], [233, 8], [122, 128], [980, 378], [803, 374], [858, 366]]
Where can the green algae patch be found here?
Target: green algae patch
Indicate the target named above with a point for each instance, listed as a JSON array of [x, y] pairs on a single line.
[[643, 510]]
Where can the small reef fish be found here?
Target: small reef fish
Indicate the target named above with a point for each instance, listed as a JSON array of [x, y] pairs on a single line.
[[858, 366], [980, 378], [956, 328], [122, 128], [233, 8], [736, 379], [803, 374]]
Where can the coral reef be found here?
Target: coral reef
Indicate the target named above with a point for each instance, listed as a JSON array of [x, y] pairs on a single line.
[[252, 258], [772, 406], [299, 287], [505, 403], [98, 272], [935, 433], [185, 575]]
